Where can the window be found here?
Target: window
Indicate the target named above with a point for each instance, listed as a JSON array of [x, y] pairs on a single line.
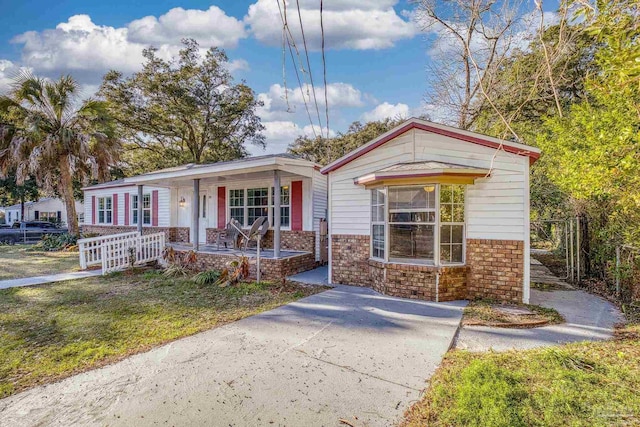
[[236, 203], [105, 211], [146, 209], [258, 202], [285, 206], [451, 224], [48, 216], [377, 223], [418, 222]]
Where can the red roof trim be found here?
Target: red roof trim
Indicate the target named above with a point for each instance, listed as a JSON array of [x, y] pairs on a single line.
[[421, 175], [413, 125]]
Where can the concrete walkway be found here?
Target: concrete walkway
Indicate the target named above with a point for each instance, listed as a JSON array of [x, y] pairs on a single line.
[[588, 318], [40, 280], [317, 276], [344, 353]]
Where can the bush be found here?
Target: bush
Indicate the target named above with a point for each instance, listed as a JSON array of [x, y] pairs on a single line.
[[206, 277], [57, 242]]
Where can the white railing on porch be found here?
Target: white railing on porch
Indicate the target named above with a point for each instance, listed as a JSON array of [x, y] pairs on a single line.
[[91, 249], [123, 253]]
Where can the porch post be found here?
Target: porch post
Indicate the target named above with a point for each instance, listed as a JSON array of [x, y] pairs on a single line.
[[140, 197], [195, 212], [276, 214]]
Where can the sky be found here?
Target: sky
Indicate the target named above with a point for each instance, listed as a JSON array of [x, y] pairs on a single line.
[[376, 54]]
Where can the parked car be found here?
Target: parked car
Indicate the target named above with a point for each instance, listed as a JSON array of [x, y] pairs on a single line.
[[28, 231]]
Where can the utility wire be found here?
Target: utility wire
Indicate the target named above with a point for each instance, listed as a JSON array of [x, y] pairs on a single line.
[[324, 72], [306, 52]]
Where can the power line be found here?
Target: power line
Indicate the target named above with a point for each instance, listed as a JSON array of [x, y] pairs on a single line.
[[324, 71], [306, 52]]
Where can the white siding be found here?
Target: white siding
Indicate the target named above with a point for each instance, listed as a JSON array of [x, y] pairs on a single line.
[[44, 205], [164, 211], [319, 205], [495, 206]]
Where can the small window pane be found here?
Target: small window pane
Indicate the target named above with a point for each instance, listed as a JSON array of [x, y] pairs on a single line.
[[101, 203], [456, 253], [378, 241], [412, 198], [108, 217], [457, 234], [146, 201], [446, 214], [238, 215], [146, 215], [108, 202]]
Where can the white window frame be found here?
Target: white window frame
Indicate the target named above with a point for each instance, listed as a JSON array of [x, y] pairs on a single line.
[[104, 210], [379, 222], [437, 227], [270, 206], [134, 209]]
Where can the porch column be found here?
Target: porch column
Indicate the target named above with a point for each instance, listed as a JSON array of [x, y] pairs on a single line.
[[195, 218], [276, 214], [140, 197]]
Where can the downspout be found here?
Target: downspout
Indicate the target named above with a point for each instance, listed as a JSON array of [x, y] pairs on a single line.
[[437, 286]]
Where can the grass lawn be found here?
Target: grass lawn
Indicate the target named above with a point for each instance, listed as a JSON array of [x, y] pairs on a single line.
[[586, 384], [17, 261], [52, 331]]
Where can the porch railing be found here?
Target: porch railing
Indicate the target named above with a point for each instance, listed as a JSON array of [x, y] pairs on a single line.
[[135, 250], [91, 248]]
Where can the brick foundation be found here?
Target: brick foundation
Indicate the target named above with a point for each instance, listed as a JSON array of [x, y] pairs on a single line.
[[173, 234], [304, 241], [272, 269], [494, 269]]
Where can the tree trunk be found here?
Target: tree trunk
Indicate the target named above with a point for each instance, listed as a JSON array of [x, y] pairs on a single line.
[[66, 191]]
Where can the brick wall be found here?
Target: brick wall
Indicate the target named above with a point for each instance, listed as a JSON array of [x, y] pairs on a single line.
[[289, 240], [496, 269], [173, 234], [272, 269], [350, 260]]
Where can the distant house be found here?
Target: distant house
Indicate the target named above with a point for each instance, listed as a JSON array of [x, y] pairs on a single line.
[[46, 209]]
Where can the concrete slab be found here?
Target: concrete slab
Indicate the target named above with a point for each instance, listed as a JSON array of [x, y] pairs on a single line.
[[344, 353], [317, 276], [40, 280], [588, 318]]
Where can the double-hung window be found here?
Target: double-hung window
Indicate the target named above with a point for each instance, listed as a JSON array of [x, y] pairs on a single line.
[[146, 209], [248, 204], [418, 224], [105, 210]]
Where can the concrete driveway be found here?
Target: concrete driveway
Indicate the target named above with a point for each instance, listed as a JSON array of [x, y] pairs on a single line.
[[345, 353]]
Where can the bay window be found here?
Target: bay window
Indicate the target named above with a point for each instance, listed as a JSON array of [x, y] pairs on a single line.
[[105, 210], [418, 224], [248, 204]]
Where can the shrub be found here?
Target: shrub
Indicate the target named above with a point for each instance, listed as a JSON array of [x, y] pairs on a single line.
[[57, 242], [208, 277]]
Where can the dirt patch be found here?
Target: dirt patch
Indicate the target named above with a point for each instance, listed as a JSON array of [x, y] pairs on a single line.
[[492, 313]]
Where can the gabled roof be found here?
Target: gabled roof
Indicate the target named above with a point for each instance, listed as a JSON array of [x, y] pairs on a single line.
[[462, 135], [28, 204]]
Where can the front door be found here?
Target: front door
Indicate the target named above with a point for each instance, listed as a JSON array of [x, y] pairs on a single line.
[[204, 216]]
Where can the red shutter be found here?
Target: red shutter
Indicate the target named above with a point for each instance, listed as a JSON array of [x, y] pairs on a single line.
[[115, 209], [94, 207], [296, 205], [154, 208], [222, 207], [127, 208]]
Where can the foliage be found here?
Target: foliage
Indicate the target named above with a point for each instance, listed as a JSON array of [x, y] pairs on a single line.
[[57, 242], [11, 193], [586, 384], [184, 110], [208, 277], [56, 330], [235, 272], [325, 150], [180, 264], [49, 135]]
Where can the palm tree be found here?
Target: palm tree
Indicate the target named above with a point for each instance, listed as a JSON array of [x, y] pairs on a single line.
[[48, 133]]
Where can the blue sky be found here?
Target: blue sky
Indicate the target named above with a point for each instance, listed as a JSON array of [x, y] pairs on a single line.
[[376, 56]]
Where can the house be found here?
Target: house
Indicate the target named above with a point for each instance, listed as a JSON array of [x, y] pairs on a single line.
[[45, 209], [432, 212], [192, 203]]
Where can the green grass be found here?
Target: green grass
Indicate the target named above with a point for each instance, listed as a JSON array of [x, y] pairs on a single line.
[[52, 331], [586, 384], [18, 261]]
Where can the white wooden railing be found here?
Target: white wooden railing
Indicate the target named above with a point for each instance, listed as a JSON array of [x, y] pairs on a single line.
[[124, 253], [91, 249]]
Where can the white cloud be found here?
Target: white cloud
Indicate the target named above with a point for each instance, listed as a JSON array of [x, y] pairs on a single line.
[[351, 24], [88, 50], [209, 27], [8, 72], [386, 111]]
